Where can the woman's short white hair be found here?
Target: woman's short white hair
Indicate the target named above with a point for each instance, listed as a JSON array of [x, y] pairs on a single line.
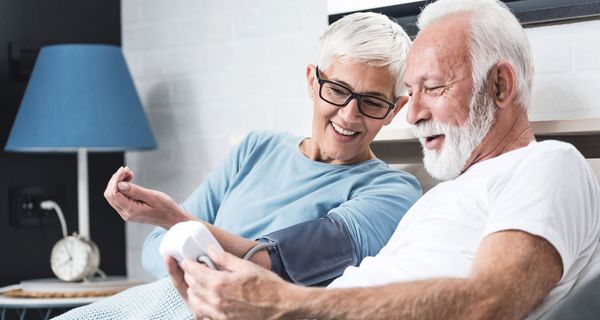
[[366, 37], [495, 34]]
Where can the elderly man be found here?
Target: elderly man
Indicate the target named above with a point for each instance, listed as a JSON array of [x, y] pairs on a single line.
[[511, 232]]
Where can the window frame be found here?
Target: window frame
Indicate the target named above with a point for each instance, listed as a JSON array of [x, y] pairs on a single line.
[[529, 12]]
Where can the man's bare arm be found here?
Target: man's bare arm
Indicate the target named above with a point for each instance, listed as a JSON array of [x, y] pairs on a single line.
[[513, 271]]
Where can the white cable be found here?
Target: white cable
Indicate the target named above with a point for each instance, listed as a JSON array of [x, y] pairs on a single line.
[[49, 205], [101, 273], [257, 248]]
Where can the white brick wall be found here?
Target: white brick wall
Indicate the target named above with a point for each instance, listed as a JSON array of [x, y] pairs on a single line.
[[207, 73], [567, 77]]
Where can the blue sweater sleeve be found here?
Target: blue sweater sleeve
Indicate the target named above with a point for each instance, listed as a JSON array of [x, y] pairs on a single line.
[[203, 203], [374, 211], [316, 252]]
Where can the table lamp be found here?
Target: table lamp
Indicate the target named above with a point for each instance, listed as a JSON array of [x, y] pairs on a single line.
[[80, 98]]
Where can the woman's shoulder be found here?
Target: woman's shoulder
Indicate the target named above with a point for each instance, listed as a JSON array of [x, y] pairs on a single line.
[[270, 138], [376, 172]]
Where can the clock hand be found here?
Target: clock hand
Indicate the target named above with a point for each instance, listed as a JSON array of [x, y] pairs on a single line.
[[68, 252], [66, 262]]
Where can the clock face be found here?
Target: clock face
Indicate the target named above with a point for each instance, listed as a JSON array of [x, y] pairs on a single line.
[[74, 258]]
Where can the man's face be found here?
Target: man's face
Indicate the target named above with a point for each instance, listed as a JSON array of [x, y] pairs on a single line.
[[451, 118]]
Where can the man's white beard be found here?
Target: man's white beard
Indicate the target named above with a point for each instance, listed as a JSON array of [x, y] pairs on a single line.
[[459, 141]]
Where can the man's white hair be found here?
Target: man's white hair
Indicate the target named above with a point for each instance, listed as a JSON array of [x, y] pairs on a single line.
[[367, 37], [495, 34]]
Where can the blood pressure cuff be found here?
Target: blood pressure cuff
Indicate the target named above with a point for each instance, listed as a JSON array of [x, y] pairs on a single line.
[[312, 253]]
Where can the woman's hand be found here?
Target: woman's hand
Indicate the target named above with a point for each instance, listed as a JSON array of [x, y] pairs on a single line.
[[238, 290], [137, 204]]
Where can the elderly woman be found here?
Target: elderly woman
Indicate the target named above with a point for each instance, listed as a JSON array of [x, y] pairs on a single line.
[[324, 202]]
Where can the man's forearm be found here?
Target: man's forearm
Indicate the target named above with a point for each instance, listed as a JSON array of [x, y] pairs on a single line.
[[428, 299], [512, 273]]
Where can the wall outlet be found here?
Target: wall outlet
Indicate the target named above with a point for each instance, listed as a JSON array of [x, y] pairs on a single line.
[[25, 208]]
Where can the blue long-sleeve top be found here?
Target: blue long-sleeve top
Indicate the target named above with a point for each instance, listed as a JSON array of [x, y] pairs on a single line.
[[266, 184]]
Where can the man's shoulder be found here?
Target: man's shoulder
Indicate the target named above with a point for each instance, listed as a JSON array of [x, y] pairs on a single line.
[[536, 160], [547, 152], [554, 151], [554, 145], [550, 160]]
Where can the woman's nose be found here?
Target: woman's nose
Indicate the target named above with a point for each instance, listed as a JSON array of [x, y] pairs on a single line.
[[350, 111]]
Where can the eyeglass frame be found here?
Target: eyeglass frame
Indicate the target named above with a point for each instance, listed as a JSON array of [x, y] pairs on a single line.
[[353, 95]]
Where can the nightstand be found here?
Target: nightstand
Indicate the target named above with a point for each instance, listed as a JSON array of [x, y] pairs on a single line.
[[51, 297], [43, 307]]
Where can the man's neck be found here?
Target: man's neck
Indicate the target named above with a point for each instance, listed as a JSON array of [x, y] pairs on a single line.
[[509, 132]]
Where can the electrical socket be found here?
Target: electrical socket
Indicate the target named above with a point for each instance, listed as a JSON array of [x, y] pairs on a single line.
[[25, 208]]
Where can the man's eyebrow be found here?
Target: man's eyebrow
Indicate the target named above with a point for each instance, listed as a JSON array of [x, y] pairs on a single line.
[[425, 78]]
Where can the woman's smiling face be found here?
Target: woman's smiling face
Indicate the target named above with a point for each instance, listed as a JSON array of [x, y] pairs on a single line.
[[342, 135]]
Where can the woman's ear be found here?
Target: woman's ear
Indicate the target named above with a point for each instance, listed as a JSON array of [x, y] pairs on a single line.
[[503, 84], [310, 80], [402, 100]]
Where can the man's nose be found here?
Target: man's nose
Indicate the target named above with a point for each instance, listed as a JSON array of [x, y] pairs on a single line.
[[417, 110]]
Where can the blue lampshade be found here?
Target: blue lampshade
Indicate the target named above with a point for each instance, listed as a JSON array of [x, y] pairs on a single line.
[[80, 96]]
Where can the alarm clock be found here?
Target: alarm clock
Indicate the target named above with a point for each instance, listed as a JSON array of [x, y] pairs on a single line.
[[74, 258]]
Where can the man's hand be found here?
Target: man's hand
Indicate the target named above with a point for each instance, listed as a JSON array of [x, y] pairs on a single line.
[[239, 290], [137, 204], [177, 279]]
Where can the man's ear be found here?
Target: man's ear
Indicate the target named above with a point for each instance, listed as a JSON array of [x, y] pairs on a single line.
[[311, 75], [402, 100], [503, 84]]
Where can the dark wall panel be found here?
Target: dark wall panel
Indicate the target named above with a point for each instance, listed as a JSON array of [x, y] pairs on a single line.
[[27, 24]]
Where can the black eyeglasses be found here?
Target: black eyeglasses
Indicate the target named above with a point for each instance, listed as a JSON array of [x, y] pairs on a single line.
[[339, 96]]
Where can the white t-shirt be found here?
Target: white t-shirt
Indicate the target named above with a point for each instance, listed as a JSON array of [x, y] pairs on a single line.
[[546, 189]]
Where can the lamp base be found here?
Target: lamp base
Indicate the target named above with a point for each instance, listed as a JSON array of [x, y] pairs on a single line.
[[83, 193]]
